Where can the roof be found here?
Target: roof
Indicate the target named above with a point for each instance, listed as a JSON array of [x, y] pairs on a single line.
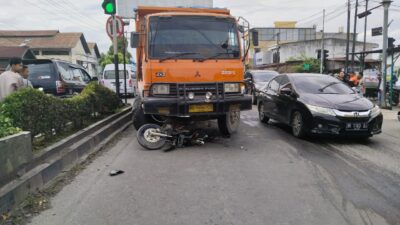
[[30, 33], [94, 46], [43, 39], [315, 40], [22, 52]]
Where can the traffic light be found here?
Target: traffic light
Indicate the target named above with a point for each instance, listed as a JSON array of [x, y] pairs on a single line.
[[319, 54], [326, 55], [391, 42], [109, 7]]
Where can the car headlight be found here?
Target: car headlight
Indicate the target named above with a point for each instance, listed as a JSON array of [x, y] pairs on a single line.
[[231, 87], [321, 110], [375, 111], [160, 89]]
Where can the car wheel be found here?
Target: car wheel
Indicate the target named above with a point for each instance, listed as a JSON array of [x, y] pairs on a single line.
[[261, 113], [298, 125], [229, 124]]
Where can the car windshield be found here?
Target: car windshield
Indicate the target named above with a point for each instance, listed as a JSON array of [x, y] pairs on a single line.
[[110, 74], [320, 85], [42, 71], [193, 37], [263, 77]]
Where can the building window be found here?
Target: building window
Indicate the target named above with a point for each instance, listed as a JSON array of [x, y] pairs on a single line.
[[55, 52]]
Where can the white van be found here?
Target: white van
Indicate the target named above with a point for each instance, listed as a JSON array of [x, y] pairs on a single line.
[[108, 78]]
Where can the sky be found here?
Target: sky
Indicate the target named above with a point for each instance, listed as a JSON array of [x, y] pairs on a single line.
[[88, 17]]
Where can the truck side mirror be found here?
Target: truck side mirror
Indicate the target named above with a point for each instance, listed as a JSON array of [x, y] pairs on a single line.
[[254, 37], [134, 39]]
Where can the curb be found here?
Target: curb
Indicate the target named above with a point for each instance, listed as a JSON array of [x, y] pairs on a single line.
[[62, 156]]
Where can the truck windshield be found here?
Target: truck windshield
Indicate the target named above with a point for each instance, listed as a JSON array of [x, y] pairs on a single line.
[[204, 36]]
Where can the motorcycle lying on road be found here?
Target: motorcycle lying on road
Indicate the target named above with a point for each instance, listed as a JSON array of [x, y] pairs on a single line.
[[173, 133]]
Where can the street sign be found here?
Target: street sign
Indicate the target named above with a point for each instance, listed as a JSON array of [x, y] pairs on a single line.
[[377, 31], [120, 26], [306, 67]]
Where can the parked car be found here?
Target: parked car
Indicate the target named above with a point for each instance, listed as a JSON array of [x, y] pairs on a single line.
[[318, 104], [57, 77], [257, 79], [108, 78]]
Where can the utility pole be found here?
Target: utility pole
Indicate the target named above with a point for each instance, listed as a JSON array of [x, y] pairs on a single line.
[[386, 5], [321, 69], [124, 53], [348, 38], [278, 40], [354, 37], [365, 37], [115, 43]]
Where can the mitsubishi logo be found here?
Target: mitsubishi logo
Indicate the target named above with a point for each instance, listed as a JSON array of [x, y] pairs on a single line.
[[356, 114], [197, 74]]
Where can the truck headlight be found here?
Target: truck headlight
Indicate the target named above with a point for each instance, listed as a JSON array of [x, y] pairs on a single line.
[[231, 87], [375, 111], [160, 89], [321, 110]]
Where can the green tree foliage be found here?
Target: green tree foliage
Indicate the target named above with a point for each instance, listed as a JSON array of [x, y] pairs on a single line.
[[109, 57], [313, 62]]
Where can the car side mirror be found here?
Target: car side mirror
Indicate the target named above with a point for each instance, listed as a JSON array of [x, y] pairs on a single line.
[[134, 39], [241, 29], [286, 91]]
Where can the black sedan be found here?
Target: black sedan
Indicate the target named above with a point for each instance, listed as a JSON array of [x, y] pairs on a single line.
[[318, 104], [258, 79]]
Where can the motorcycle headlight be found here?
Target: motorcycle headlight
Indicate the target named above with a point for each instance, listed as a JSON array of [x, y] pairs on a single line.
[[231, 87], [160, 89], [375, 111], [321, 110]]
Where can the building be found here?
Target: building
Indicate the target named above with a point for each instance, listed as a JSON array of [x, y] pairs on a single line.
[[93, 60], [283, 32], [6, 53], [52, 44]]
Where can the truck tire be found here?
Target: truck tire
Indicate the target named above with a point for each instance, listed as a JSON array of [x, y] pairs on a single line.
[[229, 124], [138, 116]]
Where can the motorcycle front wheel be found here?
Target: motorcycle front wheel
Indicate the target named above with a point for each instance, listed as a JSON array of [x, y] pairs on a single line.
[[148, 140]]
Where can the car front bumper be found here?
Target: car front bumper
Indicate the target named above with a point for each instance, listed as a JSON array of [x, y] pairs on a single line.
[[330, 125]]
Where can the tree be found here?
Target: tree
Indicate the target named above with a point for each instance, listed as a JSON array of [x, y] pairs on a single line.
[[109, 57], [313, 62]]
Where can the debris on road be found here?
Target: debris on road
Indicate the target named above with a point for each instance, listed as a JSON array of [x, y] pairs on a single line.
[[116, 172]]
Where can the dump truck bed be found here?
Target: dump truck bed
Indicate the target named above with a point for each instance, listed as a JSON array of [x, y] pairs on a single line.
[[146, 10]]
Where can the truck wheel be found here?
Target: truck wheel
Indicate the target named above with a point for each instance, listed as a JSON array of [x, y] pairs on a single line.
[[229, 123], [139, 118]]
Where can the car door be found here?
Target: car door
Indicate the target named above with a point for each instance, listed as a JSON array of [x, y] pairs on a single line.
[[271, 95], [284, 101]]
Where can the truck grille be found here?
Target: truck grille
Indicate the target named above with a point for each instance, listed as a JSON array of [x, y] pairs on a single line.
[[199, 89]]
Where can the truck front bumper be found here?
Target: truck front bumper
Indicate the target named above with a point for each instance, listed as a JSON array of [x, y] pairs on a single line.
[[183, 107]]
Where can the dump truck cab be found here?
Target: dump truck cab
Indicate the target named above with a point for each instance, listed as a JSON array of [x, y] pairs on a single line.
[[190, 64]]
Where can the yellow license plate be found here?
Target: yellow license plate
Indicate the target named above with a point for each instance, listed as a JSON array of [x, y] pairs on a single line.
[[201, 108]]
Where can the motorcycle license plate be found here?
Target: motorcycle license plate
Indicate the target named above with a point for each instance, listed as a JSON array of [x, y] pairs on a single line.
[[201, 108]]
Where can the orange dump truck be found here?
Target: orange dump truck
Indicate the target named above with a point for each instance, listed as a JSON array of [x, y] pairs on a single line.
[[190, 64]]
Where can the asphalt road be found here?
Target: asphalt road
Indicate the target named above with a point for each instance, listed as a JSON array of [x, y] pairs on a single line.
[[260, 176]]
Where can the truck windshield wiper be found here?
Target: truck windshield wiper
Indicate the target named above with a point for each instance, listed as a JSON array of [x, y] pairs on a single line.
[[330, 84], [216, 55], [177, 55]]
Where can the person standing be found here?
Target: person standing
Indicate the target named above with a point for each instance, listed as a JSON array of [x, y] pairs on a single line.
[[25, 74], [11, 81]]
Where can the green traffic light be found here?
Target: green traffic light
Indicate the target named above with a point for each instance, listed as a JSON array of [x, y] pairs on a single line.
[[110, 8]]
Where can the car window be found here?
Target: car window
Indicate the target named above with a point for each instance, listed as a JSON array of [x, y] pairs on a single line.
[[320, 85], [274, 85], [264, 76], [44, 71], [86, 77], [65, 71], [77, 75], [110, 75]]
